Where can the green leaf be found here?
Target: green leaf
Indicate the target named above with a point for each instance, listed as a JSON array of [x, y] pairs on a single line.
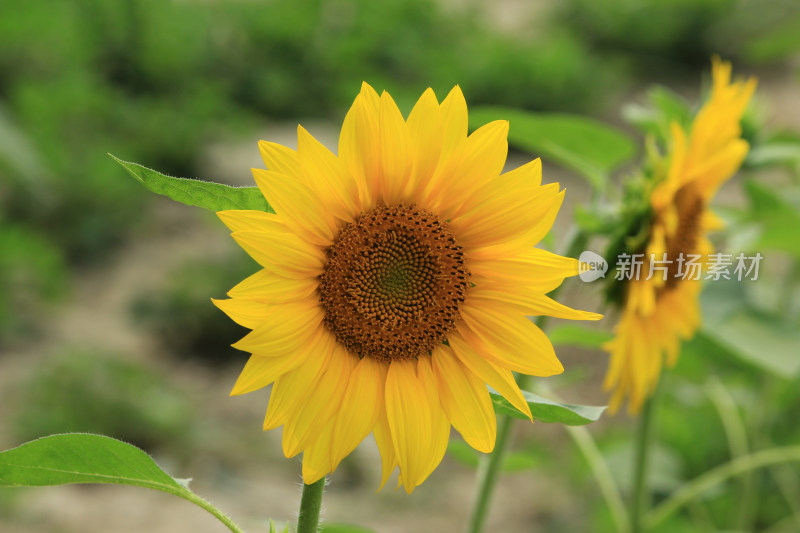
[[576, 335], [774, 154], [545, 410], [736, 330], [591, 148], [82, 458], [663, 107], [272, 527], [86, 458], [205, 194], [776, 217]]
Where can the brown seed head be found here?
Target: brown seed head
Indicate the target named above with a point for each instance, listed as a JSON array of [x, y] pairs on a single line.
[[394, 283]]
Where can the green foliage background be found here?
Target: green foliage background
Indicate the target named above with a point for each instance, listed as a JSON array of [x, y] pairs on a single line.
[[160, 83]]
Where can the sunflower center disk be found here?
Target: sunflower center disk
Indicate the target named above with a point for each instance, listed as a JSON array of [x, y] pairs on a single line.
[[394, 283], [687, 235]]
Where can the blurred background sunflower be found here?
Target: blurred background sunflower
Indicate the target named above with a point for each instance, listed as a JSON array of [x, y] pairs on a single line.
[[105, 322]]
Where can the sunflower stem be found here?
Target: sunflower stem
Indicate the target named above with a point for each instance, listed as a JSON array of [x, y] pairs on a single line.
[[488, 471], [310, 504], [640, 500]]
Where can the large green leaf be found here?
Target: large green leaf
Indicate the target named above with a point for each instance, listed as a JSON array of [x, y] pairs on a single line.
[[545, 410], [205, 194], [82, 458], [589, 147], [85, 458], [735, 329]]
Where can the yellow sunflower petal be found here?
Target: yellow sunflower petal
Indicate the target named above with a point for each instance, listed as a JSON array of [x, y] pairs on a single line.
[[280, 159], [426, 135], [291, 389], [500, 379], [253, 221], [440, 425], [395, 163], [509, 340], [325, 174], [409, 416], [285, 328], [283, 253], [360, 409], [484, 156], [359, 145], [298, 205], [532, 264], [270, 287], [383, 438], [247, 313], [465, 399], [321, 404], [527, 239], [317, 457], [527, 301]]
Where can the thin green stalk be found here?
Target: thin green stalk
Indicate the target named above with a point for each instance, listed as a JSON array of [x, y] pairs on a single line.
[[717, 475], [599, 467], [640, 499], [489, 467], [488, 471], [736, 435], [310, 504], [200, 502]]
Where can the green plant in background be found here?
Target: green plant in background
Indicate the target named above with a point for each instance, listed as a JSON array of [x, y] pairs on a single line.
[[157, 82], [92, 391], [179, 315]]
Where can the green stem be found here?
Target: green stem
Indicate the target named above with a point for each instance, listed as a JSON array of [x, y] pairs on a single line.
[[717, 475], [640, 499], [488, 471], [736, 434], [490, 466], [310, 504], [602, 475], [200, 502]]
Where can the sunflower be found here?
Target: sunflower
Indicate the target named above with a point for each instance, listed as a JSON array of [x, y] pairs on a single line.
[[397, 280], [661, 311]]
